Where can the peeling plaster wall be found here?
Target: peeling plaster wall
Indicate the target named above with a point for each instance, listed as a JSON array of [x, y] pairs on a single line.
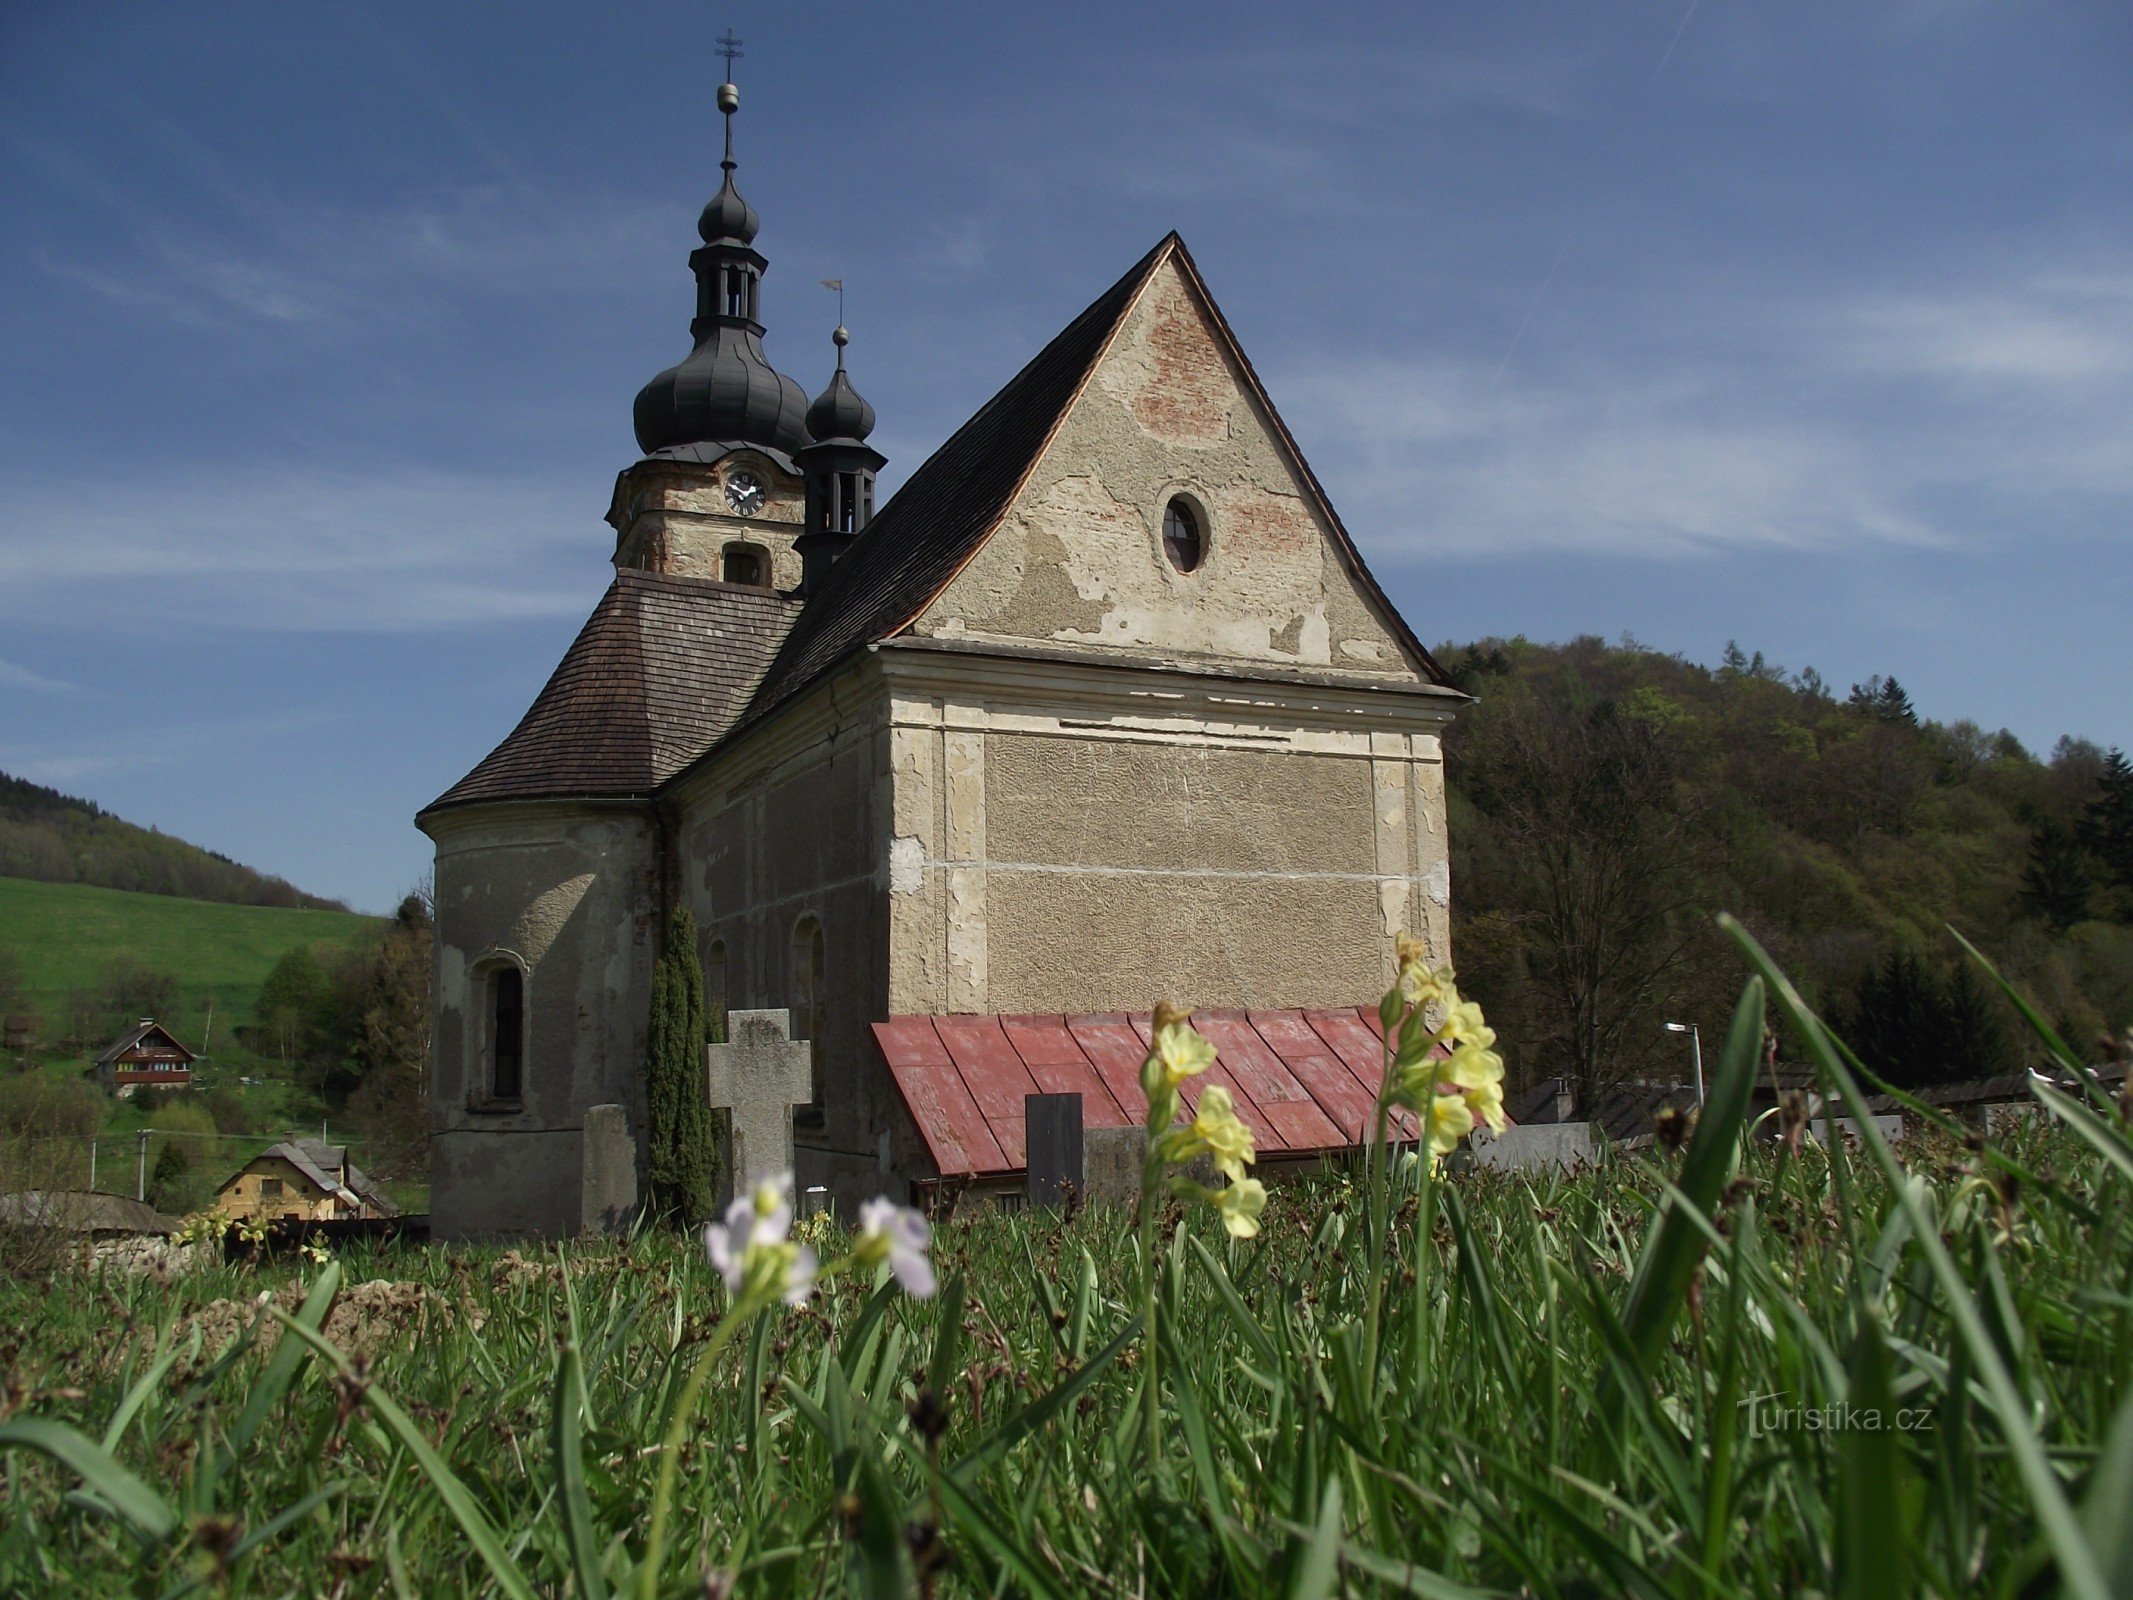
[[570, 894], [1064, 855], [786, 827], [1079, 559]]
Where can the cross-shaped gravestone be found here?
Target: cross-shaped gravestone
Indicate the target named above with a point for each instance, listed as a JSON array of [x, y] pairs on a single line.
[[758, 1076]]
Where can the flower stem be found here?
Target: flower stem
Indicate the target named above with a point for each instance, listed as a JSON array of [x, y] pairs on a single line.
[[741, 1313]]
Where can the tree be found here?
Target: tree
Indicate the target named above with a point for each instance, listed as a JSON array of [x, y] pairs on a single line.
[[683, 1168], [1602, 853], [2059, 879], [1885, 700], [12, 987], [289, 1001], [392, 1050], [133, 989], [1915, 1027], [2106, 827]]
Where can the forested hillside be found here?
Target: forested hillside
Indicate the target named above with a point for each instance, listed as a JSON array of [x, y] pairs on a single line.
[[55, 838], [1607, 801]]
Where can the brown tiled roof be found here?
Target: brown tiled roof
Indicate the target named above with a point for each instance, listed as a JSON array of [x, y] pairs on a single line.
[[658, 672], [139, 1034]]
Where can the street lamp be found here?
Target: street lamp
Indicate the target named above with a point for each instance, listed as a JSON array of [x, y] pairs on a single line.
[[1695, 1044]]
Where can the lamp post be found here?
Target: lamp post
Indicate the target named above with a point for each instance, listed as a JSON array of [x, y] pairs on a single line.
[[1695, 1045]]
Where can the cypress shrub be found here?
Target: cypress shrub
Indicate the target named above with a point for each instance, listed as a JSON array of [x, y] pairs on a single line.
[[682, 1182]]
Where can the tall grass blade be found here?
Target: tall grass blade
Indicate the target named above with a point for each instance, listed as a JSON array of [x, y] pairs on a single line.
[[125, 1496]]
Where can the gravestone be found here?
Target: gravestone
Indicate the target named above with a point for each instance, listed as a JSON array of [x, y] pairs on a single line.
[[1532, 1146], [757, 1077], [607, 1172], [1052, 1132]]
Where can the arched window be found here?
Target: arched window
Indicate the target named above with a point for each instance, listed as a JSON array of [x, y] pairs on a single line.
[[715, 989], [506, 1051], [1183, 540], [745, 563], [809, 1002]]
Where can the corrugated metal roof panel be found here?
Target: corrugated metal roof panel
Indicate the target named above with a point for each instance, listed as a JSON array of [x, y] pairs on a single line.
[[963, 1078]]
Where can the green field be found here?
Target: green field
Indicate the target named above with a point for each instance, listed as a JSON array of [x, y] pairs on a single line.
[[66, 936]]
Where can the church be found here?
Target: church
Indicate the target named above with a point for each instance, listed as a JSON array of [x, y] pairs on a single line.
[[1101, 707]]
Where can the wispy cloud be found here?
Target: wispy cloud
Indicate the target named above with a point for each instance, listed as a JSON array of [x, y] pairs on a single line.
[[13, 676], [1926, 416], [286, 548]]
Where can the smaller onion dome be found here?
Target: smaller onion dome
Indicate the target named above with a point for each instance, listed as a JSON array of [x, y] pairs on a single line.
[[840, 412], [728, 218]]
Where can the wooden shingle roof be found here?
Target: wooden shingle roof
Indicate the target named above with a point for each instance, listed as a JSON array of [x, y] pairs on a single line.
[[659, 671]]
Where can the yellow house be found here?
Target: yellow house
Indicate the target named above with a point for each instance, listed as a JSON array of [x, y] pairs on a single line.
[[300, 1180]]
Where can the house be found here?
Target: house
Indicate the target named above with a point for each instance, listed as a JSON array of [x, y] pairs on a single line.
[[147, 1056], [301, 1180], [1102, 707]]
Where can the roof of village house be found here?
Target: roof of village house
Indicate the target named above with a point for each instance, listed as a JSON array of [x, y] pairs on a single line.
[[82, 1211], [138, 1035], [1304, 1081], [658, 672], [318, 1163], [633, 705]]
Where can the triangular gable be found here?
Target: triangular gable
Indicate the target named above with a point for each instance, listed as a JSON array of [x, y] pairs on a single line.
[[1172, 410]]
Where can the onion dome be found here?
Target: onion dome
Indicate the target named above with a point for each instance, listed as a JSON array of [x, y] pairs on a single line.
[[839, 412], [725, 392]]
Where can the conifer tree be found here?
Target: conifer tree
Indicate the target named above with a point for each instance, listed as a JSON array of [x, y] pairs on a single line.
[[2107, 821], [682, 1179], [2058, 882]]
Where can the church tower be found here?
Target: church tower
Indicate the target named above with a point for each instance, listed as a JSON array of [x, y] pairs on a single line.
[[839, 468], [719, 493]]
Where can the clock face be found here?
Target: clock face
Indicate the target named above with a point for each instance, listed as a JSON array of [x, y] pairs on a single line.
[[744, 492]]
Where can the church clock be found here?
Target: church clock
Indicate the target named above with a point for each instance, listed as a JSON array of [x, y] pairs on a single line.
[[744, 492]]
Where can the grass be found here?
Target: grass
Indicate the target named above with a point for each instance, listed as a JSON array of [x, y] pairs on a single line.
[[67, 934], [1744, 1369]]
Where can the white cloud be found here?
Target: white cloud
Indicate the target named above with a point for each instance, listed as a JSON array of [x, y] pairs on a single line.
[[19, 677], [287, 548]]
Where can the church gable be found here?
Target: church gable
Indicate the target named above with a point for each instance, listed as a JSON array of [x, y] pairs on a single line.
[[1170, 423]]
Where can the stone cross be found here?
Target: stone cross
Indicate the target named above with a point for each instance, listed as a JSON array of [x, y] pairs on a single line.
[[758, 1076]]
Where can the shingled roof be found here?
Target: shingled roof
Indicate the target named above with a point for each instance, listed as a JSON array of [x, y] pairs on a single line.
[[659, 671]]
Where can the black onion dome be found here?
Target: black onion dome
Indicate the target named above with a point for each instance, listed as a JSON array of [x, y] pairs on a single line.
[[840, 412], [727, 216], [725, 392]]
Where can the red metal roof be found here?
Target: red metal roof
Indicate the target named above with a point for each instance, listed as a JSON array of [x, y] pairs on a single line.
[[1305, 1081]]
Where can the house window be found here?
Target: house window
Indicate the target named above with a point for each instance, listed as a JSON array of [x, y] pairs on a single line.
[[270, 1188], [809, 996], [507, 1033], [1183, 541], [744, 563]]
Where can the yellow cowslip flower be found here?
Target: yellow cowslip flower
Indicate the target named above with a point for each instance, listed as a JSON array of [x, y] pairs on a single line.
[[1240, 1205], [1449, 1120], [1464, 1024], [1217, 1130], [1473, 1066], [1485, 1102], [1179, 1049]]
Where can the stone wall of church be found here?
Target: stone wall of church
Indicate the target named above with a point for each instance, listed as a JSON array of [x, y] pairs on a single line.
[[566, 894], [1093, 844], [674, 517], [1079, 559], [781, 836]]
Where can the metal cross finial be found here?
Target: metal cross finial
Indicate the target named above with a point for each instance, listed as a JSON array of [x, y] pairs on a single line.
[[730, 48]]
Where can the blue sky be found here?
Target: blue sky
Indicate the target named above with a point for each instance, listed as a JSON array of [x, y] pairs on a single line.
[[1807, 325]]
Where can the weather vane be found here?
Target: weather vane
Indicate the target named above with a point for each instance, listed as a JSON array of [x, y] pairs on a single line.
[[730, 48], [838, 285]]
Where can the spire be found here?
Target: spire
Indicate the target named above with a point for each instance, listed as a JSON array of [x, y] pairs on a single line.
[[839, 465], [725, 392]]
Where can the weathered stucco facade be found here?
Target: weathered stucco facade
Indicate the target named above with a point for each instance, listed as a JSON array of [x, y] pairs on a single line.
[[1014, 754]]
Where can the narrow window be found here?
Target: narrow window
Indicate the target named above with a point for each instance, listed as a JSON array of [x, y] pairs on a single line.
[[715, 990], [736, 292], [507, 1032], [270, 1188], [1182, 540], [810, 995], [847, 502], [743, 564]]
